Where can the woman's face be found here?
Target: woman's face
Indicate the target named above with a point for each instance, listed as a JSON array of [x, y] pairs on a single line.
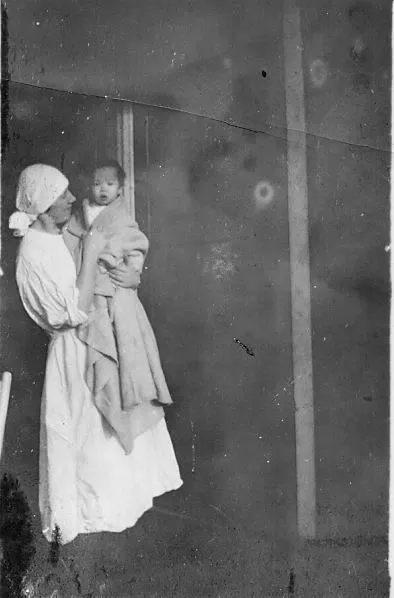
[[60, 210]]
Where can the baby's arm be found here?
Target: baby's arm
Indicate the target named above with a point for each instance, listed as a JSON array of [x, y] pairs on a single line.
[[136, 259]]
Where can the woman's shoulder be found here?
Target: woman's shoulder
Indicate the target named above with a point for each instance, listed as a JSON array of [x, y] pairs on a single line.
[[38, 241], [39, 249]]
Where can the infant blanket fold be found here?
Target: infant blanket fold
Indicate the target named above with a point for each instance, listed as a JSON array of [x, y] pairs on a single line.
[[123, 369]]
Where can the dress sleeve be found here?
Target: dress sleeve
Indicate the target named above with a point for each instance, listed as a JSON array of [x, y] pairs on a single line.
[[49, 297]]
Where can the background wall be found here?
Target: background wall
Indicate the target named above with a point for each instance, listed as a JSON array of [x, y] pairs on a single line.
[[218, 270]]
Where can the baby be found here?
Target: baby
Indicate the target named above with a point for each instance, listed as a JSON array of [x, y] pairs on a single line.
[[106, 188], [123, 364]]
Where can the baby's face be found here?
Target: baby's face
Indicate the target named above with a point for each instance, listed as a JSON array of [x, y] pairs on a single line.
[[106, 186]]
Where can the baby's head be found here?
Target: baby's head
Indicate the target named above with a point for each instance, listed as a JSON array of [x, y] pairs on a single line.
[[108, 179]]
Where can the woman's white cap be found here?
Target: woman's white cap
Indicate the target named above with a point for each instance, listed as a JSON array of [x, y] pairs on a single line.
[[39, 187]]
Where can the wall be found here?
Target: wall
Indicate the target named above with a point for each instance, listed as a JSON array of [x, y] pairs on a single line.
[[348, 115], [217, 271]]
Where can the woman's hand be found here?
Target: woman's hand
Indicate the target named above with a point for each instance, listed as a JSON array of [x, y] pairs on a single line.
[[125, 276]]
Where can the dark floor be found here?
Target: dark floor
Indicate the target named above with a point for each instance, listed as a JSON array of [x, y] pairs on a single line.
[[207, 559], [183, 548]]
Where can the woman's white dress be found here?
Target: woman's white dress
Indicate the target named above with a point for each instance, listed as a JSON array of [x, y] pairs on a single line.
[[87, 482]]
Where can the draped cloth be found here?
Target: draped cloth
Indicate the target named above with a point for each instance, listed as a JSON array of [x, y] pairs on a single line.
[[123, 369]]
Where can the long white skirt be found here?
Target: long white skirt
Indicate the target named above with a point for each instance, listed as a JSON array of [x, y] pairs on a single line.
[[87, 482]]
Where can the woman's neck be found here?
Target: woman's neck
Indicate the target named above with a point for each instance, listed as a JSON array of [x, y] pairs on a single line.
[[46, 225]]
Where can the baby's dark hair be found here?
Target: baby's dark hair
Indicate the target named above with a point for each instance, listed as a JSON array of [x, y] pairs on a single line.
[[109, 163]]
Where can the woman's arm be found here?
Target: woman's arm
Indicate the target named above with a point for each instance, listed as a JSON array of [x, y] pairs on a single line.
[[93, 244]]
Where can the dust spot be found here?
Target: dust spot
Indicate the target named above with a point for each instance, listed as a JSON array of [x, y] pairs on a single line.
[[318, 73], [291, 586], [250, 163], [247, 349], [263, 194], [23, 110], [359, 15], [220, 261], [359, 52], [361, 82]]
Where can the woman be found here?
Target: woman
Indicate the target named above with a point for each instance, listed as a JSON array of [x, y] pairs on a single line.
[[87, 482]]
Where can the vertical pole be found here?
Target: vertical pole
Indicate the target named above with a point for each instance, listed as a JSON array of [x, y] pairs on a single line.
[[148, 205], [300, 272], [5, 389], [1, 240], [125, 151], [147, 167], [391, 488]]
